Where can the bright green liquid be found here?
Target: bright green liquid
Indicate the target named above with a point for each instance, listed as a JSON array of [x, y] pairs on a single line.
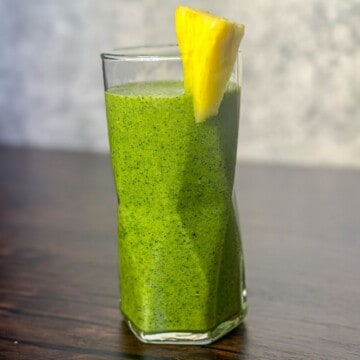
[[181, 266]]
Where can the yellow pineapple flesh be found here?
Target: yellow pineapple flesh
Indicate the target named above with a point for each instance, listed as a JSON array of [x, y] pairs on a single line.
[[208, 46]]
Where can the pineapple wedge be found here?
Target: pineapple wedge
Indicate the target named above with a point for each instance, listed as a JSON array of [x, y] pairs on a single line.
[[208, 46]]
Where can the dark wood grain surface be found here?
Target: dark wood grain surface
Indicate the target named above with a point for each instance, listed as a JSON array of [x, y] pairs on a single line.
[[58, 263]]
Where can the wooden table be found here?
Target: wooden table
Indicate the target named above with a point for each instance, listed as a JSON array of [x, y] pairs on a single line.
[[58, 263]]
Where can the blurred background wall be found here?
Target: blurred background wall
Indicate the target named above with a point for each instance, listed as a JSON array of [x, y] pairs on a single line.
[[301, 90]]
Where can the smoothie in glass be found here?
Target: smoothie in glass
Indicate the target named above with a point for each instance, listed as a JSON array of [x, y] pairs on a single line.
[[180, 256]]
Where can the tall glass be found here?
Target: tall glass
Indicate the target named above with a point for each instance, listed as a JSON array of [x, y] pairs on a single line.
[[180, 257]]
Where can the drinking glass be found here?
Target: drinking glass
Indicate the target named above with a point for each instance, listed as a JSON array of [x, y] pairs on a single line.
[[181, 264]]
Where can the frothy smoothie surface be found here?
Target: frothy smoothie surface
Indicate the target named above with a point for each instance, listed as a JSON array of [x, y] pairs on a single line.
[[179, 244]]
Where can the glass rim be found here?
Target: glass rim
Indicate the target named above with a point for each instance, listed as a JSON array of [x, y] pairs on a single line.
[[144, 53]]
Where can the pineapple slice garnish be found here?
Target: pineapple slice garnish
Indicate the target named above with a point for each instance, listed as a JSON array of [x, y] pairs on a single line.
[[208, 46]]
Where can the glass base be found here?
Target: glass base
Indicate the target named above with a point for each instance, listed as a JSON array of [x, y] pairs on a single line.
[[187, 338]]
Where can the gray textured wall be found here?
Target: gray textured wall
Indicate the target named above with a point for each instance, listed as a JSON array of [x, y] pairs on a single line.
[[301, 87]]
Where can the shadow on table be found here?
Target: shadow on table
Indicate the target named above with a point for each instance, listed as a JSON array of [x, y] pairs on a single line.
[[231, 346]]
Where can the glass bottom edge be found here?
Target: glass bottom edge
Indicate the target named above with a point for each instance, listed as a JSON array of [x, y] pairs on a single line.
[[185, 337]]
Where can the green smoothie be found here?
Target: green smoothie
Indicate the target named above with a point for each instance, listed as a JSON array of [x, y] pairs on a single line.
[[180, 257]]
